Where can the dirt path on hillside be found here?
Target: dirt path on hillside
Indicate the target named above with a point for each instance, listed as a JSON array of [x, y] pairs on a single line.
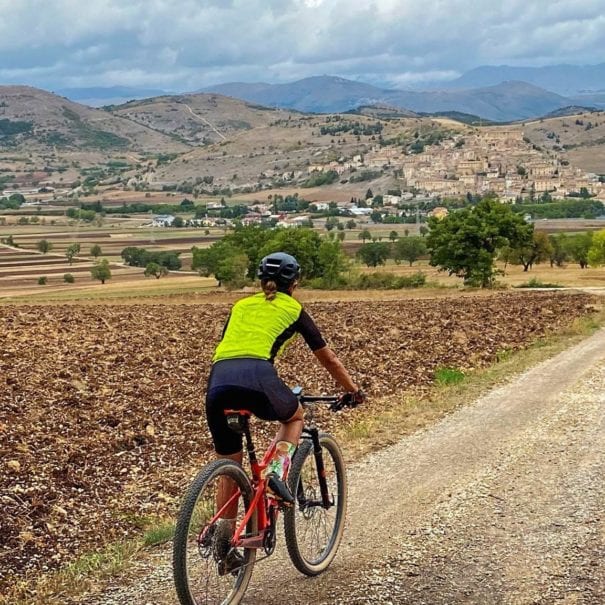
[[501, 502]]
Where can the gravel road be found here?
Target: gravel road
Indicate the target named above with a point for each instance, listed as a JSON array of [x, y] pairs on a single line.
[[501, 502]]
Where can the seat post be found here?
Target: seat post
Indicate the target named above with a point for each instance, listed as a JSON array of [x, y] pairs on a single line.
[[249, 444]]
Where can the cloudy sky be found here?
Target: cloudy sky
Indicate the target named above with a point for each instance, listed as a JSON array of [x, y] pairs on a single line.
[[183, 45]]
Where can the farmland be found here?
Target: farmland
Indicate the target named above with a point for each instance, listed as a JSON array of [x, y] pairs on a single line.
[[22, 265], [101, 407]]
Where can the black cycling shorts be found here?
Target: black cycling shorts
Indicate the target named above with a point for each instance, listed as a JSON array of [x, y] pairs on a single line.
[[244, 384]]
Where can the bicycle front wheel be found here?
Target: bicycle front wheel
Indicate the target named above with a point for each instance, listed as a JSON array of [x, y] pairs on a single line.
[[206, 568], [313, 530]]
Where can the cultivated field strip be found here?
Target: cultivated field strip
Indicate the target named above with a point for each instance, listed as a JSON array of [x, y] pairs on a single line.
[[101, 407]]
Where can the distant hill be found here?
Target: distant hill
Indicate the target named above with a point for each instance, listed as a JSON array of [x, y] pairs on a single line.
[[503, 102], [570, 110], [99, 96], [34, 119], [318, 94], [198, 119], [465, 118], [382, 112], [566, 80]]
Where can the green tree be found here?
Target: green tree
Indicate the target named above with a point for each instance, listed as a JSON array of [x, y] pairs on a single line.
[[68, 278], [101, 271], [364, 235], [534, 251], [351, 224], [139, 257], [409, 249], [207, 261], [332, 261], [155, 270], [42, 280], [178, 222], [96, 250], [423, 230], [559, 249], [44, 246], [465, 243], [596, 252], [374, 253], [303, 244], [578, 247], [369, 194], [331, 223], [393, 236], [71, 251], [231, 270]]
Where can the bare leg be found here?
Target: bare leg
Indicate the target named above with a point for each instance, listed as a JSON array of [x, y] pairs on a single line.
[[291, 430], [226, 489]]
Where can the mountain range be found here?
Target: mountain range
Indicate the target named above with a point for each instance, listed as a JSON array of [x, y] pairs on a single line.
[[503, 102], [496, 93]]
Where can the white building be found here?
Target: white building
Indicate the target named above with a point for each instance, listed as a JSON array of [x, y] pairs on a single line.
[[162, 220]]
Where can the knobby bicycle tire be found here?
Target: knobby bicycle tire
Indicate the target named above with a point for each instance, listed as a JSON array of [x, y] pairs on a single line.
[[299, 520], [185, 535]]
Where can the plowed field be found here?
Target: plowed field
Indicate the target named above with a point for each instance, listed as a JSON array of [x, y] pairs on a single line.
[[101, 407]]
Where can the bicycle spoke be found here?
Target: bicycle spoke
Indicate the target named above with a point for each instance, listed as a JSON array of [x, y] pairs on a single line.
[[312, 531], [208, 571]]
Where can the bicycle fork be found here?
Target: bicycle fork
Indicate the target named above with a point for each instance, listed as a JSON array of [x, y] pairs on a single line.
[[325, 502]]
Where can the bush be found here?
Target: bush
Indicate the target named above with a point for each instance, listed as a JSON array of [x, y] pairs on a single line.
[[42, 280], [536, 283], [371, 281], [68, 278]]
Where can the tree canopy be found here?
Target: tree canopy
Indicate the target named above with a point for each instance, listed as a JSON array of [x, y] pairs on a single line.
[[465, 242], [101, 271], [409, 249], [318, 258], [374, 253]]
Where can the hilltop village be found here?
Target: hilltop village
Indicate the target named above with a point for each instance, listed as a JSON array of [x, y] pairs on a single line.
[[498, 160]]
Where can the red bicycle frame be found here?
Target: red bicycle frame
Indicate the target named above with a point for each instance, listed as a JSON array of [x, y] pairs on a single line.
[[262, 502]]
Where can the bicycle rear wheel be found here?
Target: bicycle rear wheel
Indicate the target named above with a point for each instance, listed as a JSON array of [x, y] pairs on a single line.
[[206, 569], [313, 531]]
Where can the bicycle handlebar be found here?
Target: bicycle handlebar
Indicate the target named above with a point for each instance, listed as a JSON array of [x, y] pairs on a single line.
[[318, 398], [337, 402]]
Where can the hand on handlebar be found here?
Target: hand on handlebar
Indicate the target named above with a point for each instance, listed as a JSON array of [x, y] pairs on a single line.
[[350, 400]]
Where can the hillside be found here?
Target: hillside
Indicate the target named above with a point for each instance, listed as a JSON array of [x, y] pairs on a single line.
[[36, 120], [198, 119], [281, 152], [580, 137]]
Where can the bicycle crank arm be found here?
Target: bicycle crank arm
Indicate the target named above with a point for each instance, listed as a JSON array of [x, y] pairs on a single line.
[[257, 541]]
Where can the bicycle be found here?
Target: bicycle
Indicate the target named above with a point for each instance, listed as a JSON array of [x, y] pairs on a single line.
[[214, 555]]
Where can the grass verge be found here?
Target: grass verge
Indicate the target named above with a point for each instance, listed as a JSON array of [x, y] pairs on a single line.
[[377, 425], [90, 569]]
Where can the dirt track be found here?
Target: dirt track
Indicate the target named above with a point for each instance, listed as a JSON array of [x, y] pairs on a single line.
[[502, 502]]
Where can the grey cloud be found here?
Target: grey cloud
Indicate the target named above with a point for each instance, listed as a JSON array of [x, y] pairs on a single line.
[[186, 44]]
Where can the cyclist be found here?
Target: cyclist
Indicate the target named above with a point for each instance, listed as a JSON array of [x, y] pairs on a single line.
[[243, 376]]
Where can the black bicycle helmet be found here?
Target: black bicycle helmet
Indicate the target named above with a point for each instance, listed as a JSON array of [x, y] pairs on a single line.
[[280, 267]]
